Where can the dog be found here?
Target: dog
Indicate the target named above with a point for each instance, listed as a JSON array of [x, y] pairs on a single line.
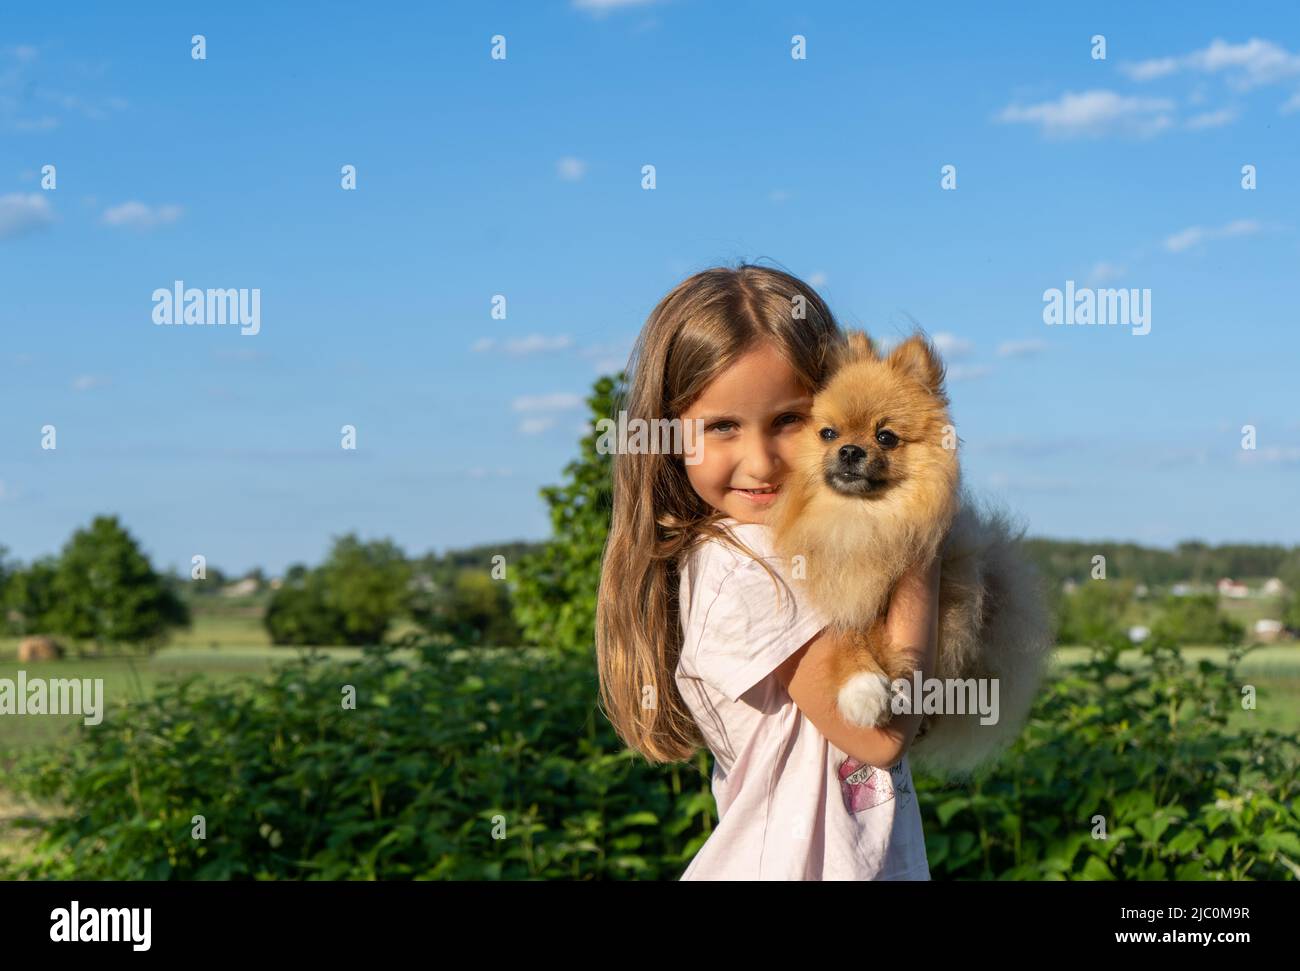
[[875, 490]]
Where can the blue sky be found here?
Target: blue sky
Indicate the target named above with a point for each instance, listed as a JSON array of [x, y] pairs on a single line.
[[523, 177]]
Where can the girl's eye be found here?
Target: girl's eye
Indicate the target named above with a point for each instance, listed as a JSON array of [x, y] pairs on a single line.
[[828, 434], [886, 438], [790, 415], [719, 424]]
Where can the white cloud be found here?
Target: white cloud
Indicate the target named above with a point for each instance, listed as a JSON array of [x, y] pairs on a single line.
[[950, 345], [557, 401], [32, 98], [601, 7], [1255, 63], [1021, 348], [24, 213], [608, 358], [571, 169], [1212, 119], [1104, 272], [86, 382], [1275, 454], [1195, 235], [137, 215], [967, 372], [519, 346], [535, 426], [1093, 113], [1292, 104], [818, 279]]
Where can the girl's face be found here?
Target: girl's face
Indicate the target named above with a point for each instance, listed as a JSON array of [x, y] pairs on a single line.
[[752, 416]]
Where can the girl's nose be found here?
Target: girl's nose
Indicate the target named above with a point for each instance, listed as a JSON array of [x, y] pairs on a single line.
[[762, 461]]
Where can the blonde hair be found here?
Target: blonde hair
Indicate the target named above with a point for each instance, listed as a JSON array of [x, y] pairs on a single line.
[[701, 328]]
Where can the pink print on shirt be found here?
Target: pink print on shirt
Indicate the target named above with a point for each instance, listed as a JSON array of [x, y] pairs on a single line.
[[865, 786]]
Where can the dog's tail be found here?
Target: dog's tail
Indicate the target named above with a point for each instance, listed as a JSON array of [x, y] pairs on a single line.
[[995, 628]]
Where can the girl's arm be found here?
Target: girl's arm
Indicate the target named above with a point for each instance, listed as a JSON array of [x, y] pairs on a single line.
[[912, 626]]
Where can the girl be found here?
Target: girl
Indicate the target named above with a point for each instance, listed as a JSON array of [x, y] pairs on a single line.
[[701, 639]]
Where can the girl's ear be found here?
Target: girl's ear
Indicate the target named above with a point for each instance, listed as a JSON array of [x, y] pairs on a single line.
[[917, 358]]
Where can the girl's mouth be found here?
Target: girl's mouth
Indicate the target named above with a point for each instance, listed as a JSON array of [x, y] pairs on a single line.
[[760, 497]]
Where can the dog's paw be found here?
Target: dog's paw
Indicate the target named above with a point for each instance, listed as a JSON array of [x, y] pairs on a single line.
[[864, 699]]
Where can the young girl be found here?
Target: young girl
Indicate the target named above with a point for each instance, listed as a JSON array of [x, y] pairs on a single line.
[[703, 639]]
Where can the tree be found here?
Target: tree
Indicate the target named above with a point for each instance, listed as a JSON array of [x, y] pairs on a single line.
[[1288, 572], [298, 613], [473, 609], [555, 589], [350, 599], [105, 590], [1094, 613], [366, 583], [1196, 620], [29, 598]]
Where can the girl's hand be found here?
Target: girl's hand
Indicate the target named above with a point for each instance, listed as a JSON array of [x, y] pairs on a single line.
[[810, 675], [912, 629]]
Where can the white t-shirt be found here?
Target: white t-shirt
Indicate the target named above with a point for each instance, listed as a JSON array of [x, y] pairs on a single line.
[[791, 806]]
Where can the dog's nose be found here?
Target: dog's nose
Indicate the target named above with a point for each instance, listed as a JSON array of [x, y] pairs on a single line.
[[851, 454]]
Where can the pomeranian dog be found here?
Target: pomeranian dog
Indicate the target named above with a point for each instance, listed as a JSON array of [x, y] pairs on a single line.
[[875, 490]]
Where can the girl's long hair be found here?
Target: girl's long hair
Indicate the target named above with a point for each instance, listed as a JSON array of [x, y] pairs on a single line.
[[701, 328]]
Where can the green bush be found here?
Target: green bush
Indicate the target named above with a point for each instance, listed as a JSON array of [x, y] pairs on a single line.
[[442, 755], [1196, 620], [411, 784], [1149, 750]]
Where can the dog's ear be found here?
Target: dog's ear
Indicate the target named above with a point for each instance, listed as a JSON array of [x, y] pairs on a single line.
[[917, 358], [860, 346]]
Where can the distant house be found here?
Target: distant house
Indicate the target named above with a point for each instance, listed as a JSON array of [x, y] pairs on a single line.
[[1140, 591], [1230, 588], [1069, 586], [1268, 630], [422, 582], [1273, 587], [1138, 633], [241, 588], [1181, 589]]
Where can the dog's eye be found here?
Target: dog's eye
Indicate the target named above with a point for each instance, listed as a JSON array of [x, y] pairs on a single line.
[[886, 438], [828, 434]]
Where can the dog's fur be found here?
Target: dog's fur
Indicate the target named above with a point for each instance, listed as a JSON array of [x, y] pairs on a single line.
[[863, 517]]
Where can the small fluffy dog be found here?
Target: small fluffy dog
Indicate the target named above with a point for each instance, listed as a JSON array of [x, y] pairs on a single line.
[[876, 489]]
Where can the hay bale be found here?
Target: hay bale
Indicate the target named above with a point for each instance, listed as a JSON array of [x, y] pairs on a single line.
[[38, 648]]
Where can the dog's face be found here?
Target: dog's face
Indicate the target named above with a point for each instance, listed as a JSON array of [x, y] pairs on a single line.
[[880, 440], [882, 421]]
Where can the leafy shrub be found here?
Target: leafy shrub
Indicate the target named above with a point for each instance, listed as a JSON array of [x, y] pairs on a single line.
[[1148, 750], [410, 784], [442, 755]]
